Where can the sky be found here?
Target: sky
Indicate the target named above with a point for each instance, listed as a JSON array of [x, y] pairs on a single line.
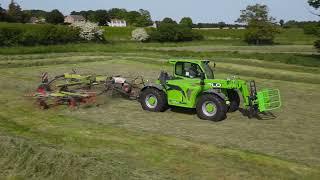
[[199, 10]]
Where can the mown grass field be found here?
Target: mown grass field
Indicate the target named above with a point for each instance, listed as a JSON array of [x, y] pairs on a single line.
[[118, 140]]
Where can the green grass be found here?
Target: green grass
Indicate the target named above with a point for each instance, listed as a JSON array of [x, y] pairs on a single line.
[[118, 33], [304, 59], [118, 140], [296, 55], [292, 36], [234, 66]]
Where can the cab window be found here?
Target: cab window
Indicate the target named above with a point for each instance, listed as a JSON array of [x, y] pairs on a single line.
[[189, 70]]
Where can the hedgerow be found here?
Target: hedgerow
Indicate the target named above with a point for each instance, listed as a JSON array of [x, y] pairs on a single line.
[[12, 34]]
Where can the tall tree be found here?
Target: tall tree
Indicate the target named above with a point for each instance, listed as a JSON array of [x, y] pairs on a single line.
[[36, 13], [3, 14], [14, 12], [116, 13], [55, 17], [132, 18], [261, 26], [186, 21], [315, 4], [281, 22], [145, 18], [99, 16], [168, 21]]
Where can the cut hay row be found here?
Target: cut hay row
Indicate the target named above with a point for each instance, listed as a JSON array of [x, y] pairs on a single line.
[[267, 70]]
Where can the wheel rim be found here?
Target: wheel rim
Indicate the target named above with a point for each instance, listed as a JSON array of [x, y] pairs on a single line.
[[151, 101], [209, 108]]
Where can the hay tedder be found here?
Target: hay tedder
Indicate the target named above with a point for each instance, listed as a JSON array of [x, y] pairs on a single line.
[[192, 85], [73, 89]]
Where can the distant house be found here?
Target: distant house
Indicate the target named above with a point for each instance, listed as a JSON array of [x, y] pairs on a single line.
[[36, 20], [155, 25], [74, 18], [117, 23]]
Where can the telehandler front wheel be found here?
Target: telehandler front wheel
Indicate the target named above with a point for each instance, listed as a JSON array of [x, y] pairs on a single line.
[[211, 107], [153, 100]]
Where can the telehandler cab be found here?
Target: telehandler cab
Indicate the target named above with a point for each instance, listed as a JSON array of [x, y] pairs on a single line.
[[193, 85]]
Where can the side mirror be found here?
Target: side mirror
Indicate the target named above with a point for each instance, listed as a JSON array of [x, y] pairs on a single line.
[[202, 78]]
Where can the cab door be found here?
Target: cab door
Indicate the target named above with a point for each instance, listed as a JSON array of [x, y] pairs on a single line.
[[181, 88]]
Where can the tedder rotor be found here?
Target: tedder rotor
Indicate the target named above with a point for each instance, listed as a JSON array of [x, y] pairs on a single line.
[[74, 89]]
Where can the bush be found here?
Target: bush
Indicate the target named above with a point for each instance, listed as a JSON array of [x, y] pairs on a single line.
[[171, 32], [55, 17], [140, 34], [260, 33], [10, 36], [89, 31], [27, 34], [312, 29]]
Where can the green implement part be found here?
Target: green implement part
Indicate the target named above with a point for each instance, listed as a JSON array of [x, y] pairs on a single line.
[[269, 99]]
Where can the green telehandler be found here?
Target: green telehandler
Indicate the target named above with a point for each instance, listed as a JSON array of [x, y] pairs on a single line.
[[193, 85]]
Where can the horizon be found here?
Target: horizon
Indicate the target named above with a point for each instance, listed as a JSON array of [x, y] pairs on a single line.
[[206, 12]]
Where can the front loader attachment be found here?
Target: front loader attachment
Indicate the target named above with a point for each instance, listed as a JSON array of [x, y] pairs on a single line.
[[268, 99]]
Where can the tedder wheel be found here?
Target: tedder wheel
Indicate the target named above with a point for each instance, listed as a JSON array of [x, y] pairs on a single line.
[[234, 100], [153, 100], [211, 107]]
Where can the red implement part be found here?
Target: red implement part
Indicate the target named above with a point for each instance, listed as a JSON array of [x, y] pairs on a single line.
[[72, 103], [91, 99]]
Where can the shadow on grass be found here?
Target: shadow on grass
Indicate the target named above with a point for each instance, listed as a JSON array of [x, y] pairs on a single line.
[[264, 116], [187, 111], [183, 110]]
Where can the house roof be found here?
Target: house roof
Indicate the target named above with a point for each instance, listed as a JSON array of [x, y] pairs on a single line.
[[78, 17]]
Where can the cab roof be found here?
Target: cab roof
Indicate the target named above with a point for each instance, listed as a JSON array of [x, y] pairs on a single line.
[[197, 61]]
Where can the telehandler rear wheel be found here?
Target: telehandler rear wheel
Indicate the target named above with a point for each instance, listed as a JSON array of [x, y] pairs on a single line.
[[211, 107], [153, 100]]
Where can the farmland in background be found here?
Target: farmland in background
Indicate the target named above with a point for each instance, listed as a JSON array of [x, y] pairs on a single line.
[[290, 36], [118, 140]]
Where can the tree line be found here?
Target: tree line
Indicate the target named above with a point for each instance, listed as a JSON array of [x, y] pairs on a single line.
[[141, 18], [261, 27], [14, 13], [220, 25]]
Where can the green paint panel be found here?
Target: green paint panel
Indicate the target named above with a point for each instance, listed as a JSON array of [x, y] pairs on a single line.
[[183, 90], [210, 107], [152, 100]]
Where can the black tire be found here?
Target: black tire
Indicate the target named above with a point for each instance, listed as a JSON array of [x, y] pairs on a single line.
[[160, 97], [220, 106], [234, 99]]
